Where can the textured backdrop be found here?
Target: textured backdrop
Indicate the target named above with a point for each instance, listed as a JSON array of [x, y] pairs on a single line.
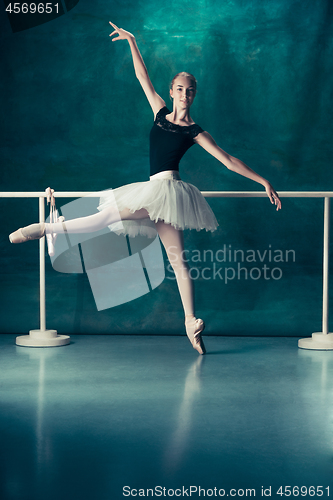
[[75, 118]]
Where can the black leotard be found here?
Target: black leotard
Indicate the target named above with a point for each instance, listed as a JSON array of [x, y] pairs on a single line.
[[169, 142]]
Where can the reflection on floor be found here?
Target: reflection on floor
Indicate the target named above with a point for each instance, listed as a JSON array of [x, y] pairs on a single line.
[[108, 417]]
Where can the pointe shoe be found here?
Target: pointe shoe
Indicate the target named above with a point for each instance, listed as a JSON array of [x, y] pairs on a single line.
[[32, 232], [194, 327], [51, 238]]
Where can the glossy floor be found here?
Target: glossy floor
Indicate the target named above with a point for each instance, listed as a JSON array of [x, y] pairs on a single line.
[[107, 412]]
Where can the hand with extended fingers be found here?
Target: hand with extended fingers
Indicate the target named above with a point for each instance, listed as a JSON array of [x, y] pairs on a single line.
[[122, 34], [273, 196]]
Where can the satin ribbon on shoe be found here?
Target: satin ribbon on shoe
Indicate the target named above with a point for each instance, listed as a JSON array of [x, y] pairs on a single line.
[[54, 217]]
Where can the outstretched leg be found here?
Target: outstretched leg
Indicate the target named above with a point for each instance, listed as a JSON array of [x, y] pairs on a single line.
[[88, 224], [95, 222], [173, 242]]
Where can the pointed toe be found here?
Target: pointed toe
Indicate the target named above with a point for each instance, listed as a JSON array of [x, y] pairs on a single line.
[[32, 232], [194, 328], [17, 237]]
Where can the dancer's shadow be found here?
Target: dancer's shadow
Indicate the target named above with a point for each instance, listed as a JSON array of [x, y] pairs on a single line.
[[178, 441]]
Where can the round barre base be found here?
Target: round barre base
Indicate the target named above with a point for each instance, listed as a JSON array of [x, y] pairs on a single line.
[[39, 338], [318, 341]]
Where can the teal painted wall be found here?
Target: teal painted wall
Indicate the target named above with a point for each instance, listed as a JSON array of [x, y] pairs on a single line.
[[75, 118]]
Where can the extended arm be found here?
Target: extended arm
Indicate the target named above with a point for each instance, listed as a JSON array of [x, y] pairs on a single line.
[[155, 101], [206, 141]]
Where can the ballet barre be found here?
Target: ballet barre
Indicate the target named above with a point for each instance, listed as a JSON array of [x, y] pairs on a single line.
[[49, 338]]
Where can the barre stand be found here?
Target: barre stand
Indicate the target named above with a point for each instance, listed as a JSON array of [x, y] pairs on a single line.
[[322, 341], [42, 337]]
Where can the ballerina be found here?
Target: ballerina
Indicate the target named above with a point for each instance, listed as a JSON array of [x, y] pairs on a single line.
[[172, 204]]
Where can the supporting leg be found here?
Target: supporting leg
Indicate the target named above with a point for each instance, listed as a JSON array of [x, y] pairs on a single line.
[[173, 242]]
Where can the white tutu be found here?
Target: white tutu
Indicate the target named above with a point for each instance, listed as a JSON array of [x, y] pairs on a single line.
[[165, 197]]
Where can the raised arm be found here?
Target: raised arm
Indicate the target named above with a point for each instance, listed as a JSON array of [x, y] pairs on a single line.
[[206, 141], [155, 101]]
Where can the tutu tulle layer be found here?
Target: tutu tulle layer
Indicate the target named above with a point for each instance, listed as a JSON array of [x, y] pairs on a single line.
[[165, 197]]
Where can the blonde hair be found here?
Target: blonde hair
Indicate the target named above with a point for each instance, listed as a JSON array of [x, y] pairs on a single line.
[[184, 75]]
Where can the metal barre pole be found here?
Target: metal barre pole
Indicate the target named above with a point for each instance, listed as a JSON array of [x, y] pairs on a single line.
[[42, 337], [322, 340], [326, 264], [42, 269], [206, 194]]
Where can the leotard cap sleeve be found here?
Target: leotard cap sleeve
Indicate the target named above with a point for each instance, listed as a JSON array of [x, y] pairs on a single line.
[[162, 112], [195, 130]]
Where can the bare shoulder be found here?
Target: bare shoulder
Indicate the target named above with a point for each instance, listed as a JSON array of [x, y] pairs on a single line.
[[206, 141], [160, 103]]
